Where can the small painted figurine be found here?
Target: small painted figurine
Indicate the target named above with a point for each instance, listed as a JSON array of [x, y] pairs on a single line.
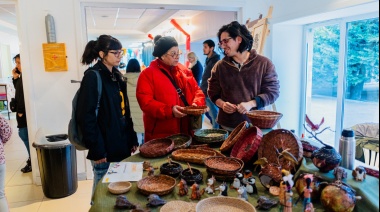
[[359, 173], [289, 200], [183, 190], [150, 171], [155, 200], [239, 176], [282, 195], [307, 193], [210, 185], [247, 175], [123, 203], [146, 165], [242, 193], [195, 193], [340, 173], [287, 177], [236, 183], [265, 203], [251, 186], [223, 188]]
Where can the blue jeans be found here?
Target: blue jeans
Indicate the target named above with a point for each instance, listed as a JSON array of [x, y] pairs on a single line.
[[99, 171], [213, 112], [23, 133]]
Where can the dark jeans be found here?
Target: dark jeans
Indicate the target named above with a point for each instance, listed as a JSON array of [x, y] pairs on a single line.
[[23, 133]]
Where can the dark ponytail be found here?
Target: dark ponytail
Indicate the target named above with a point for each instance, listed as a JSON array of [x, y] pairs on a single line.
[[103, 43]]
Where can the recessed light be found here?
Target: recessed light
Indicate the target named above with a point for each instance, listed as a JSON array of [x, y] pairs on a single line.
[[104, 16]]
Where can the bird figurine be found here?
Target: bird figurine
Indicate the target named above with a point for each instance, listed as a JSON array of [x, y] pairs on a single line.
[[183, 189], [261, 162], [265, 203], [223, 189], [251, 186], [340, 173], [154, 200], [359, 173], [313, 127], [236, 183], [242, 193], [287, 177], [123, 203]]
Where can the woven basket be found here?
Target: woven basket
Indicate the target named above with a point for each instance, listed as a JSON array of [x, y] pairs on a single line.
[[222, 165], [157, 184], [210, 135], [217, 153], [178, 205], [156, 148], [234, 136], [173, 169], [181, 141], [192, 155], [194, 110], [264, 119], [248, 144], [226, 177], [224, 204], [280, 139], [119, 187]]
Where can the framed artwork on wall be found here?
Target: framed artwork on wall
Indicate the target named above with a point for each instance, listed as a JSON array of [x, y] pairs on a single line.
[[259, 34]]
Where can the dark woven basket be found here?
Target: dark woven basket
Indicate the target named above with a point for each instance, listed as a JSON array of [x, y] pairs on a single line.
[[234, 136], [157, 184], [210, 135], [172, 169], [197, 176], [181, 141], [192, 155], [264, 119], [156, 147], [248, 144], [222, 165], [194, 110]]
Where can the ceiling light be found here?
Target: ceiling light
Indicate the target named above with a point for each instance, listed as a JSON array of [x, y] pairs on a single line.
[[104, 16]]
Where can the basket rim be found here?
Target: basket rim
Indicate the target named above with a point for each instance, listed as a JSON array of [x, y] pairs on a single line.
[[183, 144], [252, 132], [127, 186], [207, 160], [224, 200], [234, 136]]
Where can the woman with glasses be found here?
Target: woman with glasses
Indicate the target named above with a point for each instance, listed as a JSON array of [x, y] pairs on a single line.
[[243, 80], [108, 129], [157, 96]]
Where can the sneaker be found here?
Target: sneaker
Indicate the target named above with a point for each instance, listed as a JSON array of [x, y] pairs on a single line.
[[26, 169]]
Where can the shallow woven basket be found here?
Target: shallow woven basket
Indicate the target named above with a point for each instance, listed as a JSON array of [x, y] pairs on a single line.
[[192, 155], [222, 165], [280, 139], [157, 184], [226, 177], [224, 204], [217, 153], [156, 147], [119, 187], [195, 110], [264, 119], [178, 205], [210, 135], [234, 136], [248, 144], [181, 141]]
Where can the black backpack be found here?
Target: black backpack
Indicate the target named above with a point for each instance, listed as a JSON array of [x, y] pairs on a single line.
[[75, 134]]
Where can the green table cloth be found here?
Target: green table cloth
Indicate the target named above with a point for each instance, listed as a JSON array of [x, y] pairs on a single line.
[[104, 201]]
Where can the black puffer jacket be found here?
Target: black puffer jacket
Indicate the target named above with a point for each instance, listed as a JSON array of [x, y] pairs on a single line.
[[19, 96], [111, 134]]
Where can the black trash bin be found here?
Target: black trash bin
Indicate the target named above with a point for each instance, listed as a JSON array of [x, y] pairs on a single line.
[[57, 164]]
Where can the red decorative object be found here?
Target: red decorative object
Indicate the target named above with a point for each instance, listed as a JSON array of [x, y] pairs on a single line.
[[250, 141]]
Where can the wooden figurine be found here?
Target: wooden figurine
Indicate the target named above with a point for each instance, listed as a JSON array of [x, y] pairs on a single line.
[[223, 188], [183, 189], [146, 165], [247, 175], [195, 192], [307, 193], [236, 183], [340, 173], [150, 171], [251, 186], [282, 195], [288, 199], [210, 185], [359, 173], [242, 193]]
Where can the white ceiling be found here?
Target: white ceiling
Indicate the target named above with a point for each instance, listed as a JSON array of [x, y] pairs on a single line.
[[8, 19]]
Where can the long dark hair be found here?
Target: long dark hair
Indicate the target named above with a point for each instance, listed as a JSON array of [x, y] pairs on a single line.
[[133, 66], [103, 43], [235, 29]]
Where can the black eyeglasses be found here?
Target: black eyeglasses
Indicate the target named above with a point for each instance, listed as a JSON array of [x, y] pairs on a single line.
[[224, 41], [117, 53]]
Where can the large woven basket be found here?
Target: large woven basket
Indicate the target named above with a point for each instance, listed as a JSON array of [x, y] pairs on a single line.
[[210, 135], [192, 155], [181, 141], [217, 153], [224, 204], [157, 184], [119, 187], [281, 139], [222, 165], [156, 147], [264, 119], [226, 177], [178, 206], [248, 144], [234, 136], [194, 110]]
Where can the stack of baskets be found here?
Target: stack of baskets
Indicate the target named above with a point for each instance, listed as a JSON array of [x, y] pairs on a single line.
[[264, 119], [223, 168]]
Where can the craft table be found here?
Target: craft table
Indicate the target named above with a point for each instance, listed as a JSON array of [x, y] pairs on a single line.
[[105, 201]]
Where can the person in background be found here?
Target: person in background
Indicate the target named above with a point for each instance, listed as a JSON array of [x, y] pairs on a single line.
[[20, 110], [157, 96], [5, 135], [195, 66], [133, 73], [212, 58], [243, 80], [109, 135]]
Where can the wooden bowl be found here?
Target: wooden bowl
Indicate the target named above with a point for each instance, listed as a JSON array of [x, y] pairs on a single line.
[[119, 187]]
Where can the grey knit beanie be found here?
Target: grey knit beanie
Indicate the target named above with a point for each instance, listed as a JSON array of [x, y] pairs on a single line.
[[162, 45]]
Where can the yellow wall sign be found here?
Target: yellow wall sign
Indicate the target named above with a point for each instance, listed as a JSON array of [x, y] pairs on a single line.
[[54, 56]]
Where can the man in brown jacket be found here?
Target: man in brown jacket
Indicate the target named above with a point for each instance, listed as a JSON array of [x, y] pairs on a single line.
[[243, 80]]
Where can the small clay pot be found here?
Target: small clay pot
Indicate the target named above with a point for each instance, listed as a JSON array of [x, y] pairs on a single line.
[[191, 178], [326, 158], [172, 169]]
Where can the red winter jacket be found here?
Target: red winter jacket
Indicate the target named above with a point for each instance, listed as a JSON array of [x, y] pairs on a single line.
[[156, 96]]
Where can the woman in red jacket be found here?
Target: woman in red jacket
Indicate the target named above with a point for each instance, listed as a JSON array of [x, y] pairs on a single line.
[[157, 96]]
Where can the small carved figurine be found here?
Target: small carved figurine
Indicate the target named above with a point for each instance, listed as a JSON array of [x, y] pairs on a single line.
[[223, 188], [242, 193], [281, 195], [289, 200], [239, 176], [154, 200], [183, 190], [265, 203], [340, 173], [251, 186], [359, 173], [287, 177], [146, 165], [247, 175], [309, 207], [236, 183], [210, 185], [150, 171], [195, 193], [307, 193], [123, 203]]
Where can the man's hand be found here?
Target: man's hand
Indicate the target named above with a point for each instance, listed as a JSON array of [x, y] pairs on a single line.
[[229, 108], [244, 107]]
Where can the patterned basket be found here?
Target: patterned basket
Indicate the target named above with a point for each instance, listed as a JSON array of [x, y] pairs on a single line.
[[119, 187], [224, 204], [264, 119], [248, 144], [194, 110], [156, 147], [234, 136], [281, 139], [172, 169], [222, 165], [157, 184], [181, 141], [192, 155], [210, 135]]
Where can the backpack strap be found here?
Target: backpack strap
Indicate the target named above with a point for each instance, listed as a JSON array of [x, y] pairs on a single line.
[[99, 79]]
